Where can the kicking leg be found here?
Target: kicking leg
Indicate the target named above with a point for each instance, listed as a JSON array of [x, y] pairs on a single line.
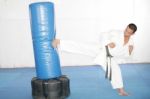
[[76, 47]]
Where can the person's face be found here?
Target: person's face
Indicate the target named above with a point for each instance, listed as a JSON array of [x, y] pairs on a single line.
[[128, 32]]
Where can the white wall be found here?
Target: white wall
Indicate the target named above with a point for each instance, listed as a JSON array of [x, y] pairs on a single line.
[[79, 20], [142, 40], [15, 38]]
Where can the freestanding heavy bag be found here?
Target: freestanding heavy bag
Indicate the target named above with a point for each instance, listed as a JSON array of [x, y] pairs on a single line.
[[43, 33], [47, 84]]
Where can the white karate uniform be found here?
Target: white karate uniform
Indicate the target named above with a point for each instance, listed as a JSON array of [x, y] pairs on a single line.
[[99, 54]]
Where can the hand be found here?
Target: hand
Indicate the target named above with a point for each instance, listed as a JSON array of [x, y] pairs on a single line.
[[111, 45], [55, 43]]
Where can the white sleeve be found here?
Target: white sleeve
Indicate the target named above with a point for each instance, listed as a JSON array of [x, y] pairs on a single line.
[[131, 42], [105, 39], [110, 37]]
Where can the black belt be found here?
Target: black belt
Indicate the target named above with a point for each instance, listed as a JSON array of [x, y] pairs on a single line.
[[108, 57]]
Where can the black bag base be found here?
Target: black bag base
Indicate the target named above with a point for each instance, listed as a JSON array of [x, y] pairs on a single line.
[[65, 86], [56, 88]]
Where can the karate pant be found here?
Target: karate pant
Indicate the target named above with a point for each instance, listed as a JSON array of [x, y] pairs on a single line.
[[99, 55]]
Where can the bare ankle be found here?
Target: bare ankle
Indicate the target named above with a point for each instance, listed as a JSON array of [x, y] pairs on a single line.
[[122, 92], [55, 43], [120, 89]]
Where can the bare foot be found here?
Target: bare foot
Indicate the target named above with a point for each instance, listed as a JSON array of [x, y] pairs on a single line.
[[55, 43], [122, 92]]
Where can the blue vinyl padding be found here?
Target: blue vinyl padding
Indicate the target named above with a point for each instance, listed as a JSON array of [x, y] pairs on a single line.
[[43, 32]]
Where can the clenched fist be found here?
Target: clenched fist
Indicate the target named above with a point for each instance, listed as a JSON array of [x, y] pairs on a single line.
[[111, 45]]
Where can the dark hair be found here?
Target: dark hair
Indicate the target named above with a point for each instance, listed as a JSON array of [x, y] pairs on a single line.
[[133, 27]]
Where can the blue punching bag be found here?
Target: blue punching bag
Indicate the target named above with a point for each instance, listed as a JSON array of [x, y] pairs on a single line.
[[43, 32]]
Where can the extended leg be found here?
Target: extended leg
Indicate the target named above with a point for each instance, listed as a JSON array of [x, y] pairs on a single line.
[[76, 47]]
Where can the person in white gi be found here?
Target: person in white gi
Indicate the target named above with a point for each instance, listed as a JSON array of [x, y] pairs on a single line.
[[120, 46]]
